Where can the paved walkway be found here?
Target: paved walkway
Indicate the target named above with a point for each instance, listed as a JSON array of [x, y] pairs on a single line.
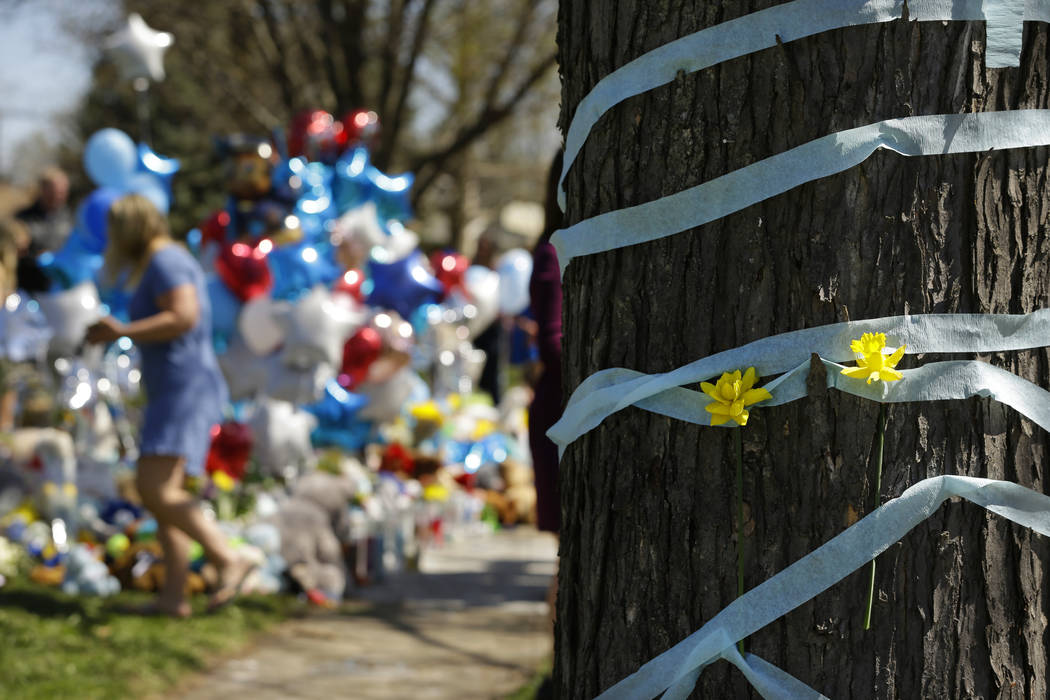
[[471, 624]]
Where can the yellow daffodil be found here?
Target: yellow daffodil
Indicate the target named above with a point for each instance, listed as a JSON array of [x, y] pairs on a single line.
[[731, 395], [873, 363]]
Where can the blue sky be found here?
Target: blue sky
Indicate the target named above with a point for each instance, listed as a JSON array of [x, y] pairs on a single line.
[[43, 68]]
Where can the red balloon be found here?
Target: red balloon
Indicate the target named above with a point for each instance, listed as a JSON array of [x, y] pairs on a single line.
[[350, 283], [231, 446], [214, 229], [317, 136], [243, 269], [449, 268], [359, 352], [360, 126]]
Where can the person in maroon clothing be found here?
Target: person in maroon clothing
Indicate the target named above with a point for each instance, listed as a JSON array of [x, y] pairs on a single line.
[[545, 300]]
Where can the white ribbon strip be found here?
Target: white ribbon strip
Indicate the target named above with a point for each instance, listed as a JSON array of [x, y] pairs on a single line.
[[788, 22], [934, 134], [1003, 31], [936, 381], [678, 667], [611, 390]]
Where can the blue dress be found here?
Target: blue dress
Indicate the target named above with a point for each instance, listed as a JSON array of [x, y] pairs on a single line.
[[185, 390]]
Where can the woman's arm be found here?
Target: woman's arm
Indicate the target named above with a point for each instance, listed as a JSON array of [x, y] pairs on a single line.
[[179, 312]]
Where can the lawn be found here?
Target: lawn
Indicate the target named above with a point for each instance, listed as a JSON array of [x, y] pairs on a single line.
[[54, 645]]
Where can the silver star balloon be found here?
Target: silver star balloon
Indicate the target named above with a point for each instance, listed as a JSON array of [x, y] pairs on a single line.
[[138, 49]]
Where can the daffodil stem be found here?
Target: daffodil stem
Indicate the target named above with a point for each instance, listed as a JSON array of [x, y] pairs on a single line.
[[740, 520], [881, 437]]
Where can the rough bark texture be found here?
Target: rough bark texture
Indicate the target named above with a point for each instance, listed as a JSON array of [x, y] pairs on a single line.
[[648, 538]]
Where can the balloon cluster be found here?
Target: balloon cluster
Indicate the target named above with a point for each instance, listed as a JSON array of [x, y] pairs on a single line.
[[118, 166]]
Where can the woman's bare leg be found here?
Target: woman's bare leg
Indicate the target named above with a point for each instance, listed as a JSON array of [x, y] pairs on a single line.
[[176, 546], [159, 481]]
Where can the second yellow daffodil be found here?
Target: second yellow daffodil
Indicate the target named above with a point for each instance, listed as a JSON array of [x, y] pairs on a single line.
[[873, 363], [731, 395]]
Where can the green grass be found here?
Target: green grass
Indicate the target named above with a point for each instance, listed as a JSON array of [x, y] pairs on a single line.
[[54, 645], [528, 691]]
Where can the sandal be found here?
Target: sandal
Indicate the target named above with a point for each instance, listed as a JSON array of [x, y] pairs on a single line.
[[227, 592]]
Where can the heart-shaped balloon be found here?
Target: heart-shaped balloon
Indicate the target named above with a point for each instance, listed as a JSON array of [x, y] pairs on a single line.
[[359, 352], [244, 270], [231, 446], [449, 267]]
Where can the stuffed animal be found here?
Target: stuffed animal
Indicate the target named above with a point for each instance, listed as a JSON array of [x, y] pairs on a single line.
[[86, 574], [314, 524], [520, 493]]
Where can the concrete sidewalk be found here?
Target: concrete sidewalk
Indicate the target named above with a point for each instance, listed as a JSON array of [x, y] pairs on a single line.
[[472, 623]]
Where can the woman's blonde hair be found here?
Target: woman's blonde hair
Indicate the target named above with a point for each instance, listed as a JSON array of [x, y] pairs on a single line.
[[133, 224]]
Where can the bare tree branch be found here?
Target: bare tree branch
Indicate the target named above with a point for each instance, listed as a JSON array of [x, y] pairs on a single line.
[[338, 81], [391, 52], [520, 32], [311, 50], [488, 118], [405, 84], [349, 30], [267, 38]]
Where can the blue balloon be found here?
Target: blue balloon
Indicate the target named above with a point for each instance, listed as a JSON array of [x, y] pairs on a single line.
[[391, 194], [110, 158], [93, 217], [76, 261], [337, 422], [225, 307], [160, 167], [403, 285], [150, 187], [298, 268], [351, 186]]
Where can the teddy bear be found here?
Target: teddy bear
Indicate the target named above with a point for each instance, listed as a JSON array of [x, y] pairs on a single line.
[[314, 525]]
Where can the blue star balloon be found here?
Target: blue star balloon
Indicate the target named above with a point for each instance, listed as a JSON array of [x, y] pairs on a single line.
[[403, 285], [391, 194], [163, 168], [337, 422], [298, 268], [351, 185], [73, 263]]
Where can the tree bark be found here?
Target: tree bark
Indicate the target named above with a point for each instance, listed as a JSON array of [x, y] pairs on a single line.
[[648, 534]]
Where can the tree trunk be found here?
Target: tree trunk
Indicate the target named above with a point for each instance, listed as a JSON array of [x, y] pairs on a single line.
[[648, 535]]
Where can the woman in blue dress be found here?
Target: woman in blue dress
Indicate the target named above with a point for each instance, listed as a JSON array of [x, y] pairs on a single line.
[[185, 392]]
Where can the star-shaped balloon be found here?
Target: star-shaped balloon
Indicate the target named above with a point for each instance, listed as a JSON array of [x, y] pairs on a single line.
[[138, 50], [403, 285], [161, 167], [317, 327], [337, 419]]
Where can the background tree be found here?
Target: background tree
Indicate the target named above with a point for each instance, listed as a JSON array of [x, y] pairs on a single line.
[[648, 551], [448, 78]]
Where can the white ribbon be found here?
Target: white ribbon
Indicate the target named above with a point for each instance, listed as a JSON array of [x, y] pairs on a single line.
[[611, 390], [936, 381], [934, 134], [788, 22], [676, 669]]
